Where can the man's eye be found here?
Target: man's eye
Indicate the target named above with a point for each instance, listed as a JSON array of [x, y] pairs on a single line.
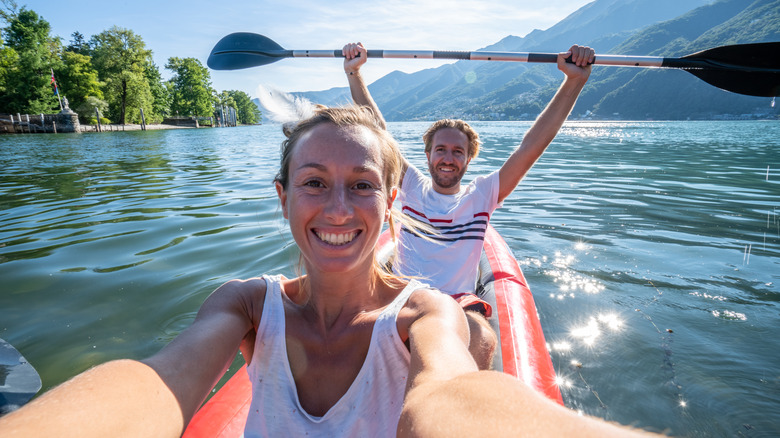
[[313, 183]]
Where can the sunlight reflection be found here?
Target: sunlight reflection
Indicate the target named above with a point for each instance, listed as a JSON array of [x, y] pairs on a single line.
[[570, 281], [588, 333], [561, 346], [593, 329], [581, 246], [563, 382], [611, 321], [706, 295], [616, 130], [729, 314]]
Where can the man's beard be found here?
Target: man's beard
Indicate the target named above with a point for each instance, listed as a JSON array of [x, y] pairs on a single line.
[[446, 180]]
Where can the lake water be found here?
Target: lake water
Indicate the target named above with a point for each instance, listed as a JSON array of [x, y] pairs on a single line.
[[652, 249]]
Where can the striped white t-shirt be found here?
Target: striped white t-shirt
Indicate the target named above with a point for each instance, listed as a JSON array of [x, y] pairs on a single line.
[[450, 261]]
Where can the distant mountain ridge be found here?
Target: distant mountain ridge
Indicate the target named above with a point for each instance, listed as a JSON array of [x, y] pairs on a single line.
[[674, 94], [475, 90]]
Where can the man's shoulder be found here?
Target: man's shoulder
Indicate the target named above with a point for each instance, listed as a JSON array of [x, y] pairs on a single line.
[[483, 184], [414, 181]]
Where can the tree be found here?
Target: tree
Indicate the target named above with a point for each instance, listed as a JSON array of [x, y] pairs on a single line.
[[191, 87], [78, 44], [78, 81], [161, 97], [9, 59], [28, 86], [120, 57], [224, 103], [248, 112]]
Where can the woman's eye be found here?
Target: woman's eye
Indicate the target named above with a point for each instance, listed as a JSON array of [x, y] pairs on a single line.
[[313, 183], [363, 186]]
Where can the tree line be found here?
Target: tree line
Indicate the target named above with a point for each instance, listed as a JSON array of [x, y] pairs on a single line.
[[112, 72]]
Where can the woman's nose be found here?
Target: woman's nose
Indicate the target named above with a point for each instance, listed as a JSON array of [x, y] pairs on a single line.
[[339, 207]]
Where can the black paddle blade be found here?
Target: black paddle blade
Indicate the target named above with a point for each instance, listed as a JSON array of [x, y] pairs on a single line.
[[243, 50], [19, 381], [750, 69]]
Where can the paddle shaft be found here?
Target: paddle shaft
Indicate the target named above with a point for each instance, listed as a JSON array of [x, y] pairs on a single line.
[[613, 60], [750, 69]]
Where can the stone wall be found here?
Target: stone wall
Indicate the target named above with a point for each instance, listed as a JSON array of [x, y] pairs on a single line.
[[64, 121], [181, 121]]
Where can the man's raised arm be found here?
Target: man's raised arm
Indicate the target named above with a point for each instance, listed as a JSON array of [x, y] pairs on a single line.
[[546, 126], [355, 55]]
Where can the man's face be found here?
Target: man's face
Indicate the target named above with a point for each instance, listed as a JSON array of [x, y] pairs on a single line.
[[448, 160]]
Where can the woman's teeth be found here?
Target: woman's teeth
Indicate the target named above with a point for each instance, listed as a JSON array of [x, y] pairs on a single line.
[[336, 239]]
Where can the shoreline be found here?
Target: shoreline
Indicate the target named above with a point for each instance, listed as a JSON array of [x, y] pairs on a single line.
[[133, 127]]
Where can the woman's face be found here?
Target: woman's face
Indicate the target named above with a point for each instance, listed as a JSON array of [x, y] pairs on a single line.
[[335, 201]]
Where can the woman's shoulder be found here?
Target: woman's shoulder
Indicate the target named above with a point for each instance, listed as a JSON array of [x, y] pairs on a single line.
[[238, 287], [238, 296], [426, 302], [426, 299]]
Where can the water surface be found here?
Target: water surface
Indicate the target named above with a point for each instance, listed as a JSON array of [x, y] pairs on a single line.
[[652, 249]]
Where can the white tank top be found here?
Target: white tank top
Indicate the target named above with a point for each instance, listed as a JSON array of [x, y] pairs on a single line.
[[371, 405]]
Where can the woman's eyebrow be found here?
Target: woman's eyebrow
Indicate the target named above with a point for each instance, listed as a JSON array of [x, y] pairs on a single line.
[[317, 166]]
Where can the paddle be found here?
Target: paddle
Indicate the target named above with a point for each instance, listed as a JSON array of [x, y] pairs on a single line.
[[19, 381], [751, 69]]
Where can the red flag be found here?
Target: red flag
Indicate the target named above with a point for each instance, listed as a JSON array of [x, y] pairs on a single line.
[[56, 92]]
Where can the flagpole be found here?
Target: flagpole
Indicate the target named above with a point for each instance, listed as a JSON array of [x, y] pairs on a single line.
[[56, 90]]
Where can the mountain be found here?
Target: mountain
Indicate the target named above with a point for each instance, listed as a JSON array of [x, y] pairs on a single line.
[[442, 91], [676, 94], [475, 90]]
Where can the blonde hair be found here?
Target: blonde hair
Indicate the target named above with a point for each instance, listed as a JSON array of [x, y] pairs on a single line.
[[389, 150], [461, 126]]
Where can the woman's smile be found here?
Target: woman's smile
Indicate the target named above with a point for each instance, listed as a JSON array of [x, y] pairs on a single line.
[[337, 239]]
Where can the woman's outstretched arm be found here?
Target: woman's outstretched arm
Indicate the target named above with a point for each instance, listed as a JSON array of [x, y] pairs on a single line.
[[155, 397], [446, 396]]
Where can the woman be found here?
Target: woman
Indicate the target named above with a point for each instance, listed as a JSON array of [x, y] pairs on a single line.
[[336, 352], [336, 186]]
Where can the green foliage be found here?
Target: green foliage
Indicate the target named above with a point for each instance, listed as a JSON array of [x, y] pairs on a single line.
[[9, 59], [78, 44], [191, 92], [112, 72], [93, 121], [248, 112], [78, 81], [120, 57], [87, 109], [27, 80], [161, 97]]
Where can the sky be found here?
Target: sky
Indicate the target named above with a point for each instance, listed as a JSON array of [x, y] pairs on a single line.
[[177, 28]]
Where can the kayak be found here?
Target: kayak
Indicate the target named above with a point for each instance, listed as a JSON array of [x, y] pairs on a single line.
[[523, 350]]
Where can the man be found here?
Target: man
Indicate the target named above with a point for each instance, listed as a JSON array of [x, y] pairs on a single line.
[[449, 258]]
